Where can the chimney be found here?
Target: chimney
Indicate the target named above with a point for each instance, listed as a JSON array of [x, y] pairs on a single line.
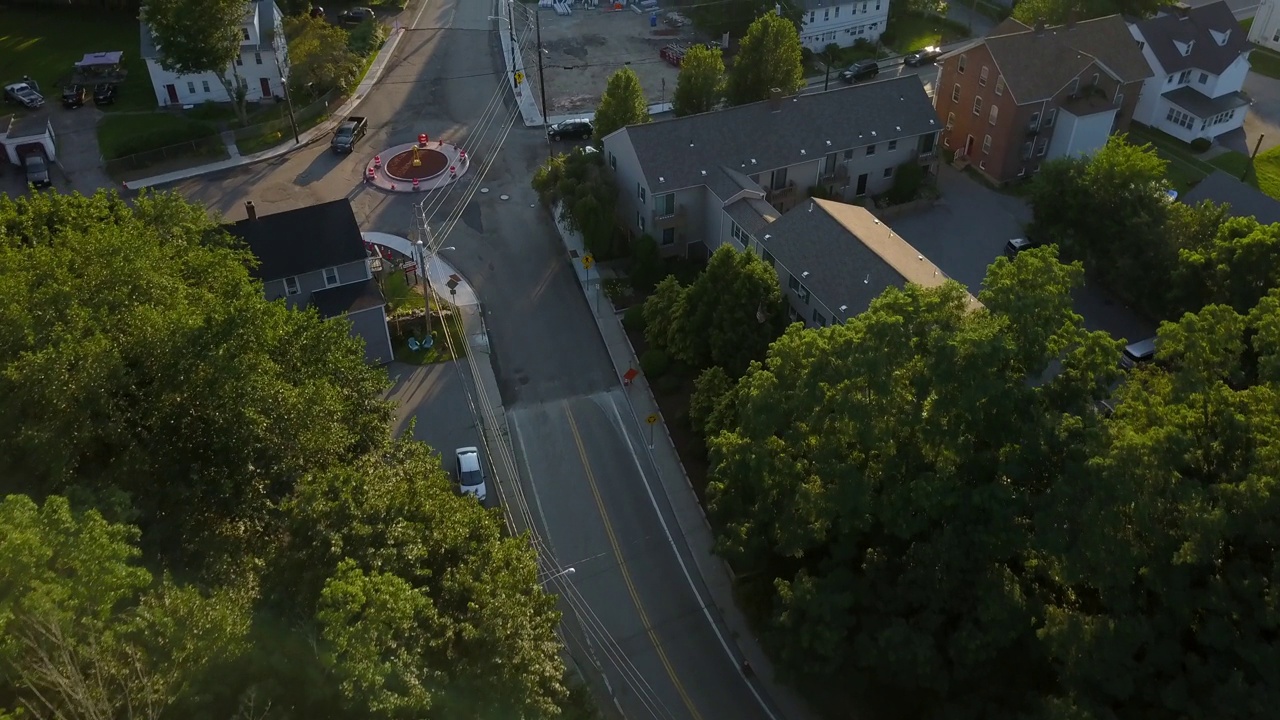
[[1039, 27], [250, 210], [775, 99]]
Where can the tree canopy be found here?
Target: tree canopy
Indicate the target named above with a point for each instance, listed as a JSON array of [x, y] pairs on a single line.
[[735, 16], [1057, 12], [319, 55], [223, 526], [700, 85], [769, 58], [622, 104], [198, 36], [578, 183], [930, 509]]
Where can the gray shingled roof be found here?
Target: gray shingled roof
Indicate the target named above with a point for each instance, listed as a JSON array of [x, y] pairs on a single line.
[[1203, 106], [1193, 26], [752, 215], [689, 151], [849, 255], [1245, 201], [347, 299], [1036, 66]]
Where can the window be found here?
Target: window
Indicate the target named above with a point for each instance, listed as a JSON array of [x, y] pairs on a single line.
[[1204, 78], [1044, 147], [1141, 45], [291, 286], [1276, 37], [1094, 82], [1177, 117], [848, 154], [964, 60], [977, 106], [1026, 151], [818, 319], [893, 145], [1119, 99], [613, 161], [986, 145], [926, 144], [330, 276], [1184, 77], [669, 236], [239, 60], [951, 120], [826, 15], [640, 193], [779, 179], [191, 87], [665, 204], [257, 58], [1170, 80], [244, 33], [1000, 85], [735, 231], [888, 172], [955, 93], [812, 16], [800, 290], [205, 84], [1049, 116], [995, 113], [982, 76], [871, 149], [838, 10], [1075, 86], [1034, 123], [640, 220]]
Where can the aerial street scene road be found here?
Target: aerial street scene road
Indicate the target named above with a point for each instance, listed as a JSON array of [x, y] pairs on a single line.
[[673, 359]]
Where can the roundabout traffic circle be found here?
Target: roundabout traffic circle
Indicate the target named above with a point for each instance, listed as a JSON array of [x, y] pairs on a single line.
[[430, 164], [439, 164]]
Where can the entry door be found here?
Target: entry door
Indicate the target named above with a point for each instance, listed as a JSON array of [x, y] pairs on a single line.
[[862, 185], [266, 87], [173, 93], [968, 146]]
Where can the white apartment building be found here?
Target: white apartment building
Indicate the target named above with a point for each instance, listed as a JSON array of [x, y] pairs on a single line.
[[842, 22]]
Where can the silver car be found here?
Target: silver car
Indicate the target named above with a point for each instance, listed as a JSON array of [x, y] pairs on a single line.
[[470, 472]]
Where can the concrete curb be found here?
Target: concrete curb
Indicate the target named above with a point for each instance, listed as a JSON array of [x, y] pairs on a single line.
[[305, 138]]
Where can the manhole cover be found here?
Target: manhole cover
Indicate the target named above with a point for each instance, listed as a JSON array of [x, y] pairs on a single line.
[[484, 191], [504, 197]]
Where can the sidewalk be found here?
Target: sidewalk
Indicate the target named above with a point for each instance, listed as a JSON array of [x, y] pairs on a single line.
[[697, 533], [305, 138]]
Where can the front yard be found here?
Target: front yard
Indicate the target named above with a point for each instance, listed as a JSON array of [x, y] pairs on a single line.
[[1186, 167], [912, 31], [46, 44]]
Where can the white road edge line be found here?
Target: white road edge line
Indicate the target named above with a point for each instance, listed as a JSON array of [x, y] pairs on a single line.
[[418, 17], [613, 405]]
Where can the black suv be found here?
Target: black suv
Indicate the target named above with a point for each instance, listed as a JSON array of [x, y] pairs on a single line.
[[581, 129], [861, 70], [355, 16], [104, 94], [923, 56], [74, 96]]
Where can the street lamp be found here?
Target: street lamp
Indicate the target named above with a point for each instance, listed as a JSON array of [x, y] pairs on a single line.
[[563, 573]]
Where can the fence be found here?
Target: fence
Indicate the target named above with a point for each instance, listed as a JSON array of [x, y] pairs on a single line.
[[209, 148], [306, 117]]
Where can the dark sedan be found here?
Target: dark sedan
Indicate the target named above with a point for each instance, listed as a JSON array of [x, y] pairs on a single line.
[[74, 96], [104, 94], [923, 56], [861, 70], [571, 130]]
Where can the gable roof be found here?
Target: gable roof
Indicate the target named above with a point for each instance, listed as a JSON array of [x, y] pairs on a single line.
[[850, 256], [1245, 200], [1038, 64], [1194, 27], [749, 139], [303, 240]]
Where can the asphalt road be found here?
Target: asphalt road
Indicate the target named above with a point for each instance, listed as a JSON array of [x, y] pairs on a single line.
[[629, 606]]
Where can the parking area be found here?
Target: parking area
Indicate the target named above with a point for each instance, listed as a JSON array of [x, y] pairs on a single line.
[[585, 48], [966, 231]]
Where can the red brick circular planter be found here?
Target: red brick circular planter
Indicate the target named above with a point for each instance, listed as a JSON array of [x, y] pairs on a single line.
[[401, 167]]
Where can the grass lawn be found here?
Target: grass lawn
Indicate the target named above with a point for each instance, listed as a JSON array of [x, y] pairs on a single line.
[[46, 44], [1246, 24], [122, 134], [1186, 168], [912, 31], [1266, 168], [1265, 61]]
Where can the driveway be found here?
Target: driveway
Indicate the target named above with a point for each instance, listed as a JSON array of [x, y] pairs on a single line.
[[1263, 119], [966, 231], [76, 136]]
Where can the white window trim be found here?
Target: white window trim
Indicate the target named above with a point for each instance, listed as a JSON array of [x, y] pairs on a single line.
[[295, 289], [328, 270]]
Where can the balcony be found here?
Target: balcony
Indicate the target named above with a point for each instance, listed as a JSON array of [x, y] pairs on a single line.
[[840, 172], [782, 194], [673, 219]]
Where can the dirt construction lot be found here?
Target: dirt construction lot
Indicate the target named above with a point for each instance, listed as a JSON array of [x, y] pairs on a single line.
[[593, 44]]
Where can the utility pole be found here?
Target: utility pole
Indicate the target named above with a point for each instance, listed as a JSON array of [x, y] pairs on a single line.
[[511, 28], [542, 82], [1256, 147], [288, 100], [826, 79]]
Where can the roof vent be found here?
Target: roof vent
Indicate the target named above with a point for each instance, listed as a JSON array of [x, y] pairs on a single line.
[[690, 143], [704, 173], [920, 258], [873, 133], [804, 274], [767, 236], [931, 121], [844, 308], [898, 128], [828, 143], [810, 207], [877, 221], [661, 179], [867, 280], [753, 161], [250, 210], [802, 152]]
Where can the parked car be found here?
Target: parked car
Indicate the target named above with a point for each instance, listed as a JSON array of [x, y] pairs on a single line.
[[317, 11], [74, 96], [104, 94], [22, 93], [1138, 353], [923, 56], [1015, 246], [355, 16], [861, 70], [579, 129], [348, 134], [470, 474], [37, 167]]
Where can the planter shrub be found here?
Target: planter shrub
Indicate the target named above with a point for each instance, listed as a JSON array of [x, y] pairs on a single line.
[[1201, 144], [633, 318], [654, 363]]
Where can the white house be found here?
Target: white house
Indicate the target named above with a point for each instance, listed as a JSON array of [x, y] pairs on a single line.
[[1200, 57], [1265, 29], [263, 64], [842, 22]]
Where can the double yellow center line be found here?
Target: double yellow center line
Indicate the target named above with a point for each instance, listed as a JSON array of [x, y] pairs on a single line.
[[622, 565]]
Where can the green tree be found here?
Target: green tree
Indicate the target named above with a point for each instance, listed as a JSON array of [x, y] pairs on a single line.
[[664, 315], [199, 36], [144, 371], [700, 86], [1237, 267], [622, 104], [585, 193], [769, 58], [735, 16], [1057, 12], [426, 607], [319, 56]]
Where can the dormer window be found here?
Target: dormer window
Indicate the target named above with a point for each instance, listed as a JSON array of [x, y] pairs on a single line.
[[1221, 37], [1184, 47]]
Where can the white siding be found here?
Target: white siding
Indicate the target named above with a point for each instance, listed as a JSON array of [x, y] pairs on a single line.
[[1265, 30], [843, 23], [1076, 135]]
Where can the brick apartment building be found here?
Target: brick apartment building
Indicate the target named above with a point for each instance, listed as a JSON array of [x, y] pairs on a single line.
[[1022, 95]]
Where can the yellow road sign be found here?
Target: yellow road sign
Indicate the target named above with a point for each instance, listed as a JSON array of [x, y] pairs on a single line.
[[652, 419], [519, 77], [588, 261]]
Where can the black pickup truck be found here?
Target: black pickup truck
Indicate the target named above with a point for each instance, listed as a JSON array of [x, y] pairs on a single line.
[[348, 134]]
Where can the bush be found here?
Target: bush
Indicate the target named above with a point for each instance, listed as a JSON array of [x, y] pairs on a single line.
[[654, 363], [646, 264], [668, 385], [367, 37], [906, 183], [633, 318], [1201, 144]]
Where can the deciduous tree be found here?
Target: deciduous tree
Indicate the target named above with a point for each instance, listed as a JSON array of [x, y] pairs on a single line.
[[319, 56], [622, 104], [1057, 12], [585, 193], [769, 58], [199, 36], [700, 86]]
